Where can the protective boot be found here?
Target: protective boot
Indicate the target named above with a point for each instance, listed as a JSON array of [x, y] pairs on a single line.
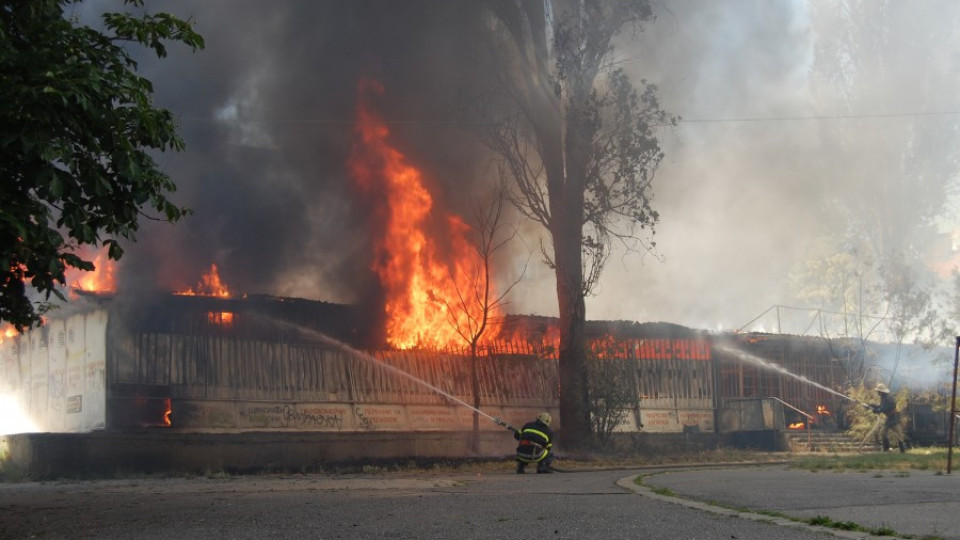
[[520, 467], [903, 447], [543, 468], [886, 444]]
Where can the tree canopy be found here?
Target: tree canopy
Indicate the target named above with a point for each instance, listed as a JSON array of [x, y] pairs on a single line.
[[581, 147], [77, 127], [876, 264]]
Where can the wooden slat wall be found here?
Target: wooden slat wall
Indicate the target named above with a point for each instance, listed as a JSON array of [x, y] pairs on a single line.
[[220, 367], [214, 366], [673, 383], [800, 356]]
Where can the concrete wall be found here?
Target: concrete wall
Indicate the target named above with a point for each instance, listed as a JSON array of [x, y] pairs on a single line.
[[337, 417], [56, 373], [56, 455]]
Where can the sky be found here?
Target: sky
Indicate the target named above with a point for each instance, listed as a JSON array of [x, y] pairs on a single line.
[[790, 115]]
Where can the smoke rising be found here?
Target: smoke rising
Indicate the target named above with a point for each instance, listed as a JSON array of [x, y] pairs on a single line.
[[776, 99], [801, 121], [267, 112]]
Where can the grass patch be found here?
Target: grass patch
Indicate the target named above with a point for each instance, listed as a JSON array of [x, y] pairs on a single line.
[[666, 492], [824, 521], [921, 459]]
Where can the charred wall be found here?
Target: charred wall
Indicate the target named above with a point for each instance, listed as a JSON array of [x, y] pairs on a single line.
[[274, 364], [264, 363], [808, 357]]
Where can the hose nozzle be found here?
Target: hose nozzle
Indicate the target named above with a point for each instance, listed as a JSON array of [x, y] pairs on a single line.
[[499, 422]]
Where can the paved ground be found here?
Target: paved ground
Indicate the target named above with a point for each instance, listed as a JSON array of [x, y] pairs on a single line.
[[915, 503], [584, 505]]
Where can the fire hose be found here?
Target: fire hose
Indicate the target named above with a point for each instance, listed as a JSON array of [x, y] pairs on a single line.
[[858, 402], [507, 426], [503, 424]]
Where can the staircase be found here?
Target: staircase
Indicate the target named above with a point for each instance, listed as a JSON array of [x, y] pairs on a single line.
[[826, 440]]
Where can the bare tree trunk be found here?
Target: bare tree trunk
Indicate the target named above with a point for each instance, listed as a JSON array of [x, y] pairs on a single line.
[[567, 210], [475, 380], [558, 50], [574, 410]]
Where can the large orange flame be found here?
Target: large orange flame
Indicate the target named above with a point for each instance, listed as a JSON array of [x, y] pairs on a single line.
[[210, 285], [425, 264], [100, 280]]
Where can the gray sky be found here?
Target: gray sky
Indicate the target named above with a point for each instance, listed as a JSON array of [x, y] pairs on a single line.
[[771, 145], [779, 129]]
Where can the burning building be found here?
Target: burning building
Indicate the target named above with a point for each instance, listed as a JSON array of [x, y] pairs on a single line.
[[212, 364], [203, 361], [178, 369]]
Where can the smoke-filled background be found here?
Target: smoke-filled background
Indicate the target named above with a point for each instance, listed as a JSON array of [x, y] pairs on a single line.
[[804, 125]]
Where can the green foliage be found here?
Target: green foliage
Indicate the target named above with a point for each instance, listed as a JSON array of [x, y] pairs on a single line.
[[861, 419], [610, 385], [938, 401], [77, 126], [580, 144]]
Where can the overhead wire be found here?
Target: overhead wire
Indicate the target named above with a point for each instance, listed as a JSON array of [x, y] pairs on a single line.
[[681, 119]]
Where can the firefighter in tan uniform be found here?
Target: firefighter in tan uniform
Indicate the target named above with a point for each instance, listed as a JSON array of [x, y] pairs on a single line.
[[891, 425]]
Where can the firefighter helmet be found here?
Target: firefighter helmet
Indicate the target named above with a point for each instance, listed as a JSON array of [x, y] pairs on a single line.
[[882, 388], [545, 418]]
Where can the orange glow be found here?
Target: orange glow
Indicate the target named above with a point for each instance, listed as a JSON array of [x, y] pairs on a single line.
[[609, 347], [797, 425], [422, 256], [222, 318], [7, 331], [822, 409], [167, 411], [100, 280], [210, 285]]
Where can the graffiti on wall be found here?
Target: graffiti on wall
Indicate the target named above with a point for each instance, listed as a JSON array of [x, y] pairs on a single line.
[[380, 417], [322, 417]]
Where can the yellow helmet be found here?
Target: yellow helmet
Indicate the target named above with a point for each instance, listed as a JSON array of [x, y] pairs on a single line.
[[545, 418], [882, 388]]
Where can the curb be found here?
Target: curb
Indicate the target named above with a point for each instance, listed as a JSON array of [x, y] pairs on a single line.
[[629, 483]]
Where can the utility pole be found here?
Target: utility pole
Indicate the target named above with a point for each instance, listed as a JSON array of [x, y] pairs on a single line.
[[953, 404]]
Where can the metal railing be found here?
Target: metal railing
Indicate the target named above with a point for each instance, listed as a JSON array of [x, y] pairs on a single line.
[[810, 419]]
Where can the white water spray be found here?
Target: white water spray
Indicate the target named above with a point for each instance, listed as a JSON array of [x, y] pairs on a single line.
[[369, 358], [756, 360]]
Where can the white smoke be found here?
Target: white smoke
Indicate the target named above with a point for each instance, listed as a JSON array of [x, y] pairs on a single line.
[[752, 174]]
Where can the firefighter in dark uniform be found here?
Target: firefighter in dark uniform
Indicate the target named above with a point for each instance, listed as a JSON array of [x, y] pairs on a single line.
[[536, 439], [891, 426]]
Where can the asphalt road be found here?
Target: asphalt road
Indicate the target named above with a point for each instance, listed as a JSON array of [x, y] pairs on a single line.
[[920, 504], [575, 506]]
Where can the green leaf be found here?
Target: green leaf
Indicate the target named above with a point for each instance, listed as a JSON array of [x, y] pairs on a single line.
[[78, 133]]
